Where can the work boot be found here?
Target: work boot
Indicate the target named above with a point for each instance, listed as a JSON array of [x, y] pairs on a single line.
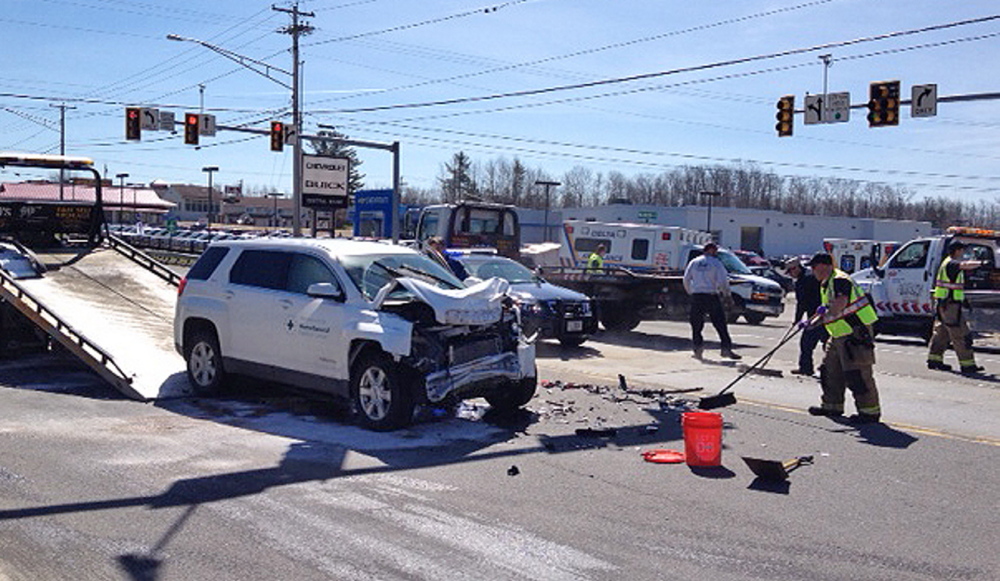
[[698, 351], [972, 369], [728, 354], [938, 365], [822, 411], [862, 419]]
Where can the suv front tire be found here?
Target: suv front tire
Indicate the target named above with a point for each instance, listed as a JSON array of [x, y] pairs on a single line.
[[381, 400]]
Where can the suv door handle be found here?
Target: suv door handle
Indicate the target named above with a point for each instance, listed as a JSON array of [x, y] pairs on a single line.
[[228, 295], [285, 303]]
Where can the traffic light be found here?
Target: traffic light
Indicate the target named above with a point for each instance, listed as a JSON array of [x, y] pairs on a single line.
[[191, 128], [785, 116], [277, 135], [133, 123], [883, 103]]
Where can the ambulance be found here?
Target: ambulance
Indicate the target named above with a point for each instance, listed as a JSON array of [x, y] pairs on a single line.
[[854, 255]]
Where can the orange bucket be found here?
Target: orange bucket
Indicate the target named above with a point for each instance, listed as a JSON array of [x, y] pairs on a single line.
[[702, 438]]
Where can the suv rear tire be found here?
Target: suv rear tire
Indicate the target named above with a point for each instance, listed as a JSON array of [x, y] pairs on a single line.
[[381, 400], [203, 360]]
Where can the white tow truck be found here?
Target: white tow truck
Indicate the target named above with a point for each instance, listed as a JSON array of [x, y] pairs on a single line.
[[901, 290]]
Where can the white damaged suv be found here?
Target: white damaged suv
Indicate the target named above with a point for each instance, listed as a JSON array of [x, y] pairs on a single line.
[[382, 325]]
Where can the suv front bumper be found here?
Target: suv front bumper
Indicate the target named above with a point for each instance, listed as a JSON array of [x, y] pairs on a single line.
[[480, 376]]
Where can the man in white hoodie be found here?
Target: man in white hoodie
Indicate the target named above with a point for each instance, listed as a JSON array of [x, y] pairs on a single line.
[[707, 281]]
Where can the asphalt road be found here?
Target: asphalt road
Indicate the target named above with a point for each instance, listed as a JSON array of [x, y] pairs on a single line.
[[274, 485]]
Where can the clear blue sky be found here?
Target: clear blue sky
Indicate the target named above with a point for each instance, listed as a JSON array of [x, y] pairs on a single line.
[[97, 56]]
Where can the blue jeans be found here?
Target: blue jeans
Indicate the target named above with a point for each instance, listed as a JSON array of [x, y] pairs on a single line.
[[807, 344]]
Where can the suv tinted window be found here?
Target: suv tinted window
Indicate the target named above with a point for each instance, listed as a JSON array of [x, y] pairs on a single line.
[[263, 268], [306, 270], [207, 263]]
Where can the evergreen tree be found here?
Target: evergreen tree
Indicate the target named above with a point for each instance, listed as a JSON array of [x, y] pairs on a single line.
[[457, 182]]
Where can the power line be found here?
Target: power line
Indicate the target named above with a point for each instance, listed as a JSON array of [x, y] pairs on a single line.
[[623, 44], [679, 70]]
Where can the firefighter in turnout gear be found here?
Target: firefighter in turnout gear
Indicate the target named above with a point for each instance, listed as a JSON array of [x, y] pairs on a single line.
[[949, 318], [848, 316]]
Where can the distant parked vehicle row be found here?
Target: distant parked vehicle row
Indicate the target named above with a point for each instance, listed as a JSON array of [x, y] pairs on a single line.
[[179, 240]]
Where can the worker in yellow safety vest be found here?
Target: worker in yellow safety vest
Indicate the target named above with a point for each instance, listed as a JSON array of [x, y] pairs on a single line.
[[596, 259], [848, 316], [950, 326]]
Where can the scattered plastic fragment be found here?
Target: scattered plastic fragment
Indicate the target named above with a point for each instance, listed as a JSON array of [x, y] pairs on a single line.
[[513, 470], [597, 432], [663, 456]]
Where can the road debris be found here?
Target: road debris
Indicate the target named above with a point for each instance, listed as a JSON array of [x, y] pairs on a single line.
[[513, 470], [663, 456], [597, 432]]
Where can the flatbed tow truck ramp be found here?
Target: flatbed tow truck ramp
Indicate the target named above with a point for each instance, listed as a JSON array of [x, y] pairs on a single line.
[[105, 302], [112, 312]]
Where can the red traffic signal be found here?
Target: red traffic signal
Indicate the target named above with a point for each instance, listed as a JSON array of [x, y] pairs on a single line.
[[133, 123], [192, 123], [785, 116], [277, 135]]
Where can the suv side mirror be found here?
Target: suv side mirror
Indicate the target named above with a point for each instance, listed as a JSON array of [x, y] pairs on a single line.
[[325, 290]]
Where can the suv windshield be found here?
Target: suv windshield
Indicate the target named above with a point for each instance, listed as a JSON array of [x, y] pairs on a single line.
[[733, 265], [370, 272]]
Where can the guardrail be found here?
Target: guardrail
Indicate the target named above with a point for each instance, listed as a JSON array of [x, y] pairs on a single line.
[[143, 259]]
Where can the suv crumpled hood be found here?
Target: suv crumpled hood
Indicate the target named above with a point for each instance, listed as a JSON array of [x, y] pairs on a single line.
[[480, 304]]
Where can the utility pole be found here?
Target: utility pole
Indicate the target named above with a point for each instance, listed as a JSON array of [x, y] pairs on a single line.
[[296, 30], [710, 196], [547, 184], [62, 142]]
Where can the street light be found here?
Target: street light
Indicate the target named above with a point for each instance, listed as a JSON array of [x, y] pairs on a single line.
[[545, 235], [210, 169], [275, 195], [710, 196], [121, 195], [263, 69]]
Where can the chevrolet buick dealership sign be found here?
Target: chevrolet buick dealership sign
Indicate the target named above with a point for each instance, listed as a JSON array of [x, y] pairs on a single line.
[[324, 181]]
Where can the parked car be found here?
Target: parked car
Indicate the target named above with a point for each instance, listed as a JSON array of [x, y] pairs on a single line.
[[750, 258], [383, 326], [19, 262], [769, 272], [554, 312]]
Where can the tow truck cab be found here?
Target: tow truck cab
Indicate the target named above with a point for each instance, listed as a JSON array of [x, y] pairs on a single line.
[[468, 224]]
